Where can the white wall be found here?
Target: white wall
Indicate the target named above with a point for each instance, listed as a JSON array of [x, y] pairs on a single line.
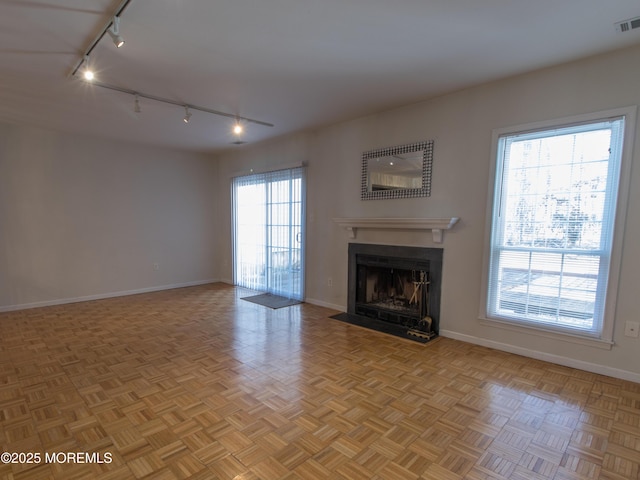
[[84, 218], [461, 125]]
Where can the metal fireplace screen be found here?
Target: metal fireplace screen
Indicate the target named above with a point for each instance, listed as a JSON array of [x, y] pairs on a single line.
[[396, 292]]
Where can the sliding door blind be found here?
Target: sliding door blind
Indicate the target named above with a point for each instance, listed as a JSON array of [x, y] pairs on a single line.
[[250, 219], [553, 223], [268, 214]]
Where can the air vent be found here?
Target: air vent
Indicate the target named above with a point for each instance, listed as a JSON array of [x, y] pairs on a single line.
[[627, 25], [238, 142]]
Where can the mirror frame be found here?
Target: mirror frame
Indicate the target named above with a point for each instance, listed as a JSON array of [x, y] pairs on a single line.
[[425, 147]]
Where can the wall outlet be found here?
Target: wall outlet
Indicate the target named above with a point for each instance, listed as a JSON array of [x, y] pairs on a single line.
[[631, 329], [156, 266], [329, 282]]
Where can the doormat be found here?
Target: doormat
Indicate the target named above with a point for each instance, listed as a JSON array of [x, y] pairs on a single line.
[[384, 327], [271, 301]]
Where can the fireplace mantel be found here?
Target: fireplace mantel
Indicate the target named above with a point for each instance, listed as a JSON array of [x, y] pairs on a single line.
[[436, 225]]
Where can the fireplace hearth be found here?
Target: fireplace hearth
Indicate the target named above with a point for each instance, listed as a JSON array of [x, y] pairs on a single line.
[[395, 289]]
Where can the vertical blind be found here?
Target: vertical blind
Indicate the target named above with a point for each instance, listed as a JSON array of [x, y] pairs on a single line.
[[553, 222], [268, 219]]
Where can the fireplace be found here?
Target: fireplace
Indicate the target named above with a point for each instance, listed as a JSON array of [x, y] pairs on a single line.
[[395, 289]]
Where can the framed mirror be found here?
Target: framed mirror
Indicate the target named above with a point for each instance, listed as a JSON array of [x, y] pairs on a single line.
[[397, 172]]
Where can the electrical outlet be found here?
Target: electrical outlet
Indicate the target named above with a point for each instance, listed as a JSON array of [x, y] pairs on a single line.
[[156, 266], [631, 329], [329, 282]]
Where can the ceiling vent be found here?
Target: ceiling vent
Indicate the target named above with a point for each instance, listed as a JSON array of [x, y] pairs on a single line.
[[627, 25]]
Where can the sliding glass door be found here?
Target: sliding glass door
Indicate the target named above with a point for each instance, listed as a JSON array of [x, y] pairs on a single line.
[[268, 243]]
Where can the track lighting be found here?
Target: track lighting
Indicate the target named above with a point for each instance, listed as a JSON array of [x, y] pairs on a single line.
[[112, 27], [238, 129], [114, 32], [88, 73]]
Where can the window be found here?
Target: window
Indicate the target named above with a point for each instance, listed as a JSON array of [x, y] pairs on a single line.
[[268, 214], [553, 222]]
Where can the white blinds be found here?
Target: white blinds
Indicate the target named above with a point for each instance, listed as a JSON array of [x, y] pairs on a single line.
[[268, 214], [553, 220]]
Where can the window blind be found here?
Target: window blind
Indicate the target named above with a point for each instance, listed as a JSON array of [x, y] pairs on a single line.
[[268, 214]]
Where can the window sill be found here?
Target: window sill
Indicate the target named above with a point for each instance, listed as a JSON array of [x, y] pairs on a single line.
[[547, 333]]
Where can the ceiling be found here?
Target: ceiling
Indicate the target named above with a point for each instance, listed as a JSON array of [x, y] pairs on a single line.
[[298, 64]]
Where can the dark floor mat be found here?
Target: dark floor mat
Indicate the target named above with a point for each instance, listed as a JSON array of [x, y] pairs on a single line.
[[271, 301]]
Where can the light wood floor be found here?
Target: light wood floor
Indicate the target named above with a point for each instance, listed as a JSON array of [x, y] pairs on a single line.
[[197, 383]]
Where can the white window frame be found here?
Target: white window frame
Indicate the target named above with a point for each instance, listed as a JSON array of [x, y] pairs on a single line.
[[604, 339]]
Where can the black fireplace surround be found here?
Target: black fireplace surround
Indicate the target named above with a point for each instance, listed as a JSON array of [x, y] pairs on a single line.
[[395, 289]]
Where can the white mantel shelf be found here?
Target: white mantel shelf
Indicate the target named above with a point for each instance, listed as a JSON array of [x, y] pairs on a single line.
[[436, 225]]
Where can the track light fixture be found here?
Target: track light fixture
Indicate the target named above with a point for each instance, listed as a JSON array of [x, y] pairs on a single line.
[[113, 29], [114, 32], [138, 94], [88, 73]]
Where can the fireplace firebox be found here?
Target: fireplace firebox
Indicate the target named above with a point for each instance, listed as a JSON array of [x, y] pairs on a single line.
[[396, 288]]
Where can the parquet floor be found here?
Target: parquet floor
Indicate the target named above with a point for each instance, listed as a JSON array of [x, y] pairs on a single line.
[[197, 383]]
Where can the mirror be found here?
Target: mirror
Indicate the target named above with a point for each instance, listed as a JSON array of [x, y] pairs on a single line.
[[397, 172]]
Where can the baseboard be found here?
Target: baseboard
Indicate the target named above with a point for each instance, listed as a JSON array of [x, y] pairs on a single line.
[[547, 357], [100, 296], [320, 303]]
